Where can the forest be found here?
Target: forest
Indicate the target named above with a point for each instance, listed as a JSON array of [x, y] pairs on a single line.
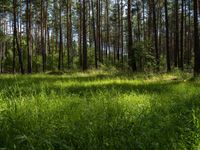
[[99, 74]]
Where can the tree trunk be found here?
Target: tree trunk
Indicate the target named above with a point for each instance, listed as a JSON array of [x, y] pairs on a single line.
[[42, 38], [131, 51], [122, 33], [176, 42], [69, 32], [61, 40], [196, 41], [155, 37], [19, 50], [118, 30], [181, 47], [167, 38], [84, 37], [28, 32], [80, 35], [94, 35], [98, 29]]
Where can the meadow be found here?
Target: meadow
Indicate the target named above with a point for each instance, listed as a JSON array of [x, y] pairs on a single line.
[[99, 110]]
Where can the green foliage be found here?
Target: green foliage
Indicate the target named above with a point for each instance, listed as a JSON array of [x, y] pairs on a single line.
[[1, 35], [99, 110], [144, 55]]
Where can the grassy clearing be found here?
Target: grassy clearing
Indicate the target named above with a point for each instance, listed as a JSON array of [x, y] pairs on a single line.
[[99, 110]]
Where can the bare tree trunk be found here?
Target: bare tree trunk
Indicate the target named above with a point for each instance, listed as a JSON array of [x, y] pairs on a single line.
[[16, 36], [98, 29], [84, 38], [28, 32], [69, 32], [181, 41], [167, 38], [122, 33], [42, 38], [176, 48], [196, 41], [155, 37], [80, 35], [61, 40], [118, 30], [94, 35], [131, 51]]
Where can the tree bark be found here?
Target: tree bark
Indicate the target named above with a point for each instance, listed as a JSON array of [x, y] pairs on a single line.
[[155, 37], [94, 36], [84, 37], [15, 34], [167, 38], [131, 51], [196, 41], [28, 32], [176, 42]]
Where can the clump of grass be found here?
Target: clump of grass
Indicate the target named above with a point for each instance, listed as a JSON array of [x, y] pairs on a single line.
[[55, 73], [99, 110]]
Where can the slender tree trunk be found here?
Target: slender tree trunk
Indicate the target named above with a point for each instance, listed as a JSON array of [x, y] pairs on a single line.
[[176, 48], [143, 17], [150, 10], [61, 40], [138, 22], [69, 32], [28, 31], [139, 31], [189, 35], [167, 38], [19, 50], [122, 33], [48, 42], [181, 41], [45, 31], [98, 29], [80, 35], [84, 37], [14, 54], [155, 36], [131, 51], [118, 30], [42, 38], [107, 28], [94, 36], [196, 41]]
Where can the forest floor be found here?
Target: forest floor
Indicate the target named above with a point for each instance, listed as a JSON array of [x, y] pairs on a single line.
[[99, 110]]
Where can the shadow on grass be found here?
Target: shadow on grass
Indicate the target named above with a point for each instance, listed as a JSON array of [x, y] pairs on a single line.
[[152, 88], [172, 127], [164, 126], [37, 79], [14, 87]]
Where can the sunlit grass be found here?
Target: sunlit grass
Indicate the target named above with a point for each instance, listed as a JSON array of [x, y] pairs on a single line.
[[99, 110]]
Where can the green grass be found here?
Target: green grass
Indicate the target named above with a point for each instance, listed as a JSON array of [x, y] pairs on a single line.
[[99, 110]]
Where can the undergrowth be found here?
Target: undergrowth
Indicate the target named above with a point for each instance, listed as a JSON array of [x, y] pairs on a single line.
[[99, 110]]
